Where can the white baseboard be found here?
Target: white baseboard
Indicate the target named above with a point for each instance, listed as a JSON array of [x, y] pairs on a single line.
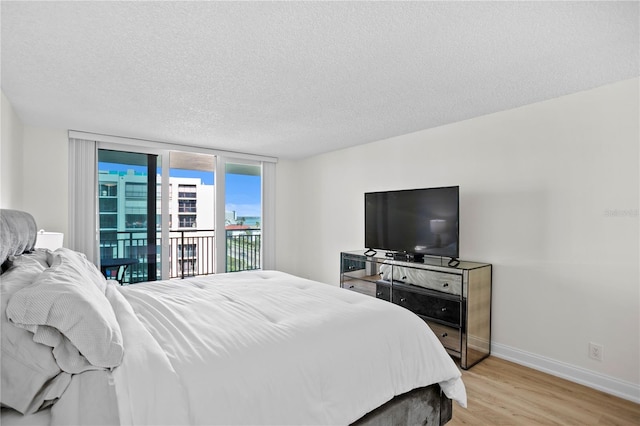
[[607, 384]]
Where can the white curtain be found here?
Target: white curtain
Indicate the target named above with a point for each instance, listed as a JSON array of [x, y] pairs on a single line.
[[83, 226], [268, 215]]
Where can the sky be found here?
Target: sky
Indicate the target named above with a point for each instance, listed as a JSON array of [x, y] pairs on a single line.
[[243, 195], [243, 192]]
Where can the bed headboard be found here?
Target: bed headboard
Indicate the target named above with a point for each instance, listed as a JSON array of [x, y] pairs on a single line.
[[18, 232]]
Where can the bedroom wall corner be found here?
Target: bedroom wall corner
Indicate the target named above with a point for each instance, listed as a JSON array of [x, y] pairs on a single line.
[[46, 177], [11, 156], [549, 195]]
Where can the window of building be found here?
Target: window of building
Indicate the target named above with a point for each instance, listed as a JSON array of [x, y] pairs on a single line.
[[108, 221], [187, 221], [187, 267], [187, 206], [109, 189], [135, 190], [186, 191], [186, 251]]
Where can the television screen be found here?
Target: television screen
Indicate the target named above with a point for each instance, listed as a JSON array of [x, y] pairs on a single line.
[[415, 221]]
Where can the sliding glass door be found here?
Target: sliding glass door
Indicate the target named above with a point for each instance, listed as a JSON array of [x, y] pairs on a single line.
[[168, 213], [137, 241], [191, 214], [129, 207], [243, 216]]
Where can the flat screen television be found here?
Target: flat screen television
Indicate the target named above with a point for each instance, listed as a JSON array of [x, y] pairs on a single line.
[[414, 222]]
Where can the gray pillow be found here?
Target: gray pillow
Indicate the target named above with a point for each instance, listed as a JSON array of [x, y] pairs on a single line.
[[17, 233], [66, 308], [31, 378]]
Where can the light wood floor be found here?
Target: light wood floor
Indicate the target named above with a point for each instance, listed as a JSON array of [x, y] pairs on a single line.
[[503, 393]]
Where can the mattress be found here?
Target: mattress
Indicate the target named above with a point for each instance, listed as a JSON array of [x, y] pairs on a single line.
[[267, 347]]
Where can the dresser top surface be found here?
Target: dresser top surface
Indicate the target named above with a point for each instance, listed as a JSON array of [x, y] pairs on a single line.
[[429, 261]]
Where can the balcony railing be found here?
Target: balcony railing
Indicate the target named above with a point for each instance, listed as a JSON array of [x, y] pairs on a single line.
[[191, 252], [243, 249]]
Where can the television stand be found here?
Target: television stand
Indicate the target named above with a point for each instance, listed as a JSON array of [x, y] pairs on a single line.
[[454, 300]]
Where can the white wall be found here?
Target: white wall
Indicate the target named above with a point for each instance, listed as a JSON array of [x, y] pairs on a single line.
[[45, 177], [10, 158], [549, 196], [34, 170]]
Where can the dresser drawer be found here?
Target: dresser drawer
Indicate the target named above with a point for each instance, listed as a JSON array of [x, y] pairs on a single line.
[[364, 287], [441, 281], [429, 306], [383, 291], [447, 283], [448, 336]]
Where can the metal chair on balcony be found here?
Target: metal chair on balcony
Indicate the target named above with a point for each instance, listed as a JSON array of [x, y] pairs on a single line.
[[114, 269]]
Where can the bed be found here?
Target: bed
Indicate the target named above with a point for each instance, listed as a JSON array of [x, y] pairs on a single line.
[[261, 347]]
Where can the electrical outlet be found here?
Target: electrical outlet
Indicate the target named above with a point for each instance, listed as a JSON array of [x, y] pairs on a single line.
[[595, 351]]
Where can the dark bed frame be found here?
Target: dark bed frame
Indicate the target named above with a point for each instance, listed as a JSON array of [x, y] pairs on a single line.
[[422, 406]]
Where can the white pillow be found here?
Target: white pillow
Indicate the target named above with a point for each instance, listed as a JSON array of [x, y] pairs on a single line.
[[66, 308]]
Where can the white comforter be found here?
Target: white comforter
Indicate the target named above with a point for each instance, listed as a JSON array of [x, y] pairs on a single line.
[[268, 348]]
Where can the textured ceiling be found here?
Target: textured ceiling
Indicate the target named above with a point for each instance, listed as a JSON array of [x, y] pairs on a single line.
[[294, 79]]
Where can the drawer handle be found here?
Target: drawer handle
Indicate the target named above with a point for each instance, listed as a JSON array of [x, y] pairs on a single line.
[[404, 278], [350, 286], [444, 309], [445, 334], [379, 293], [445, 285], [403, 299]]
